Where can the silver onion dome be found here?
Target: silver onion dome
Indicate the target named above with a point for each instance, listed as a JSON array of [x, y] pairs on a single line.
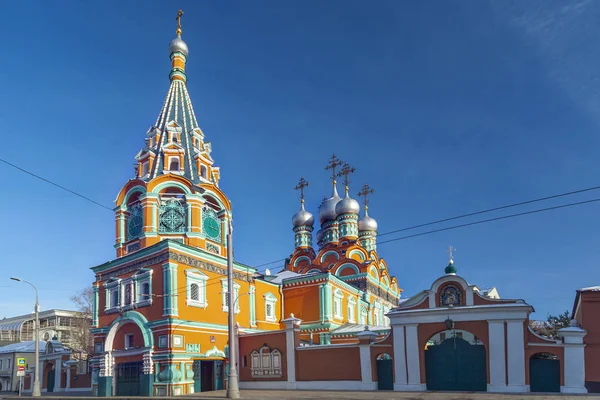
[[178, 45], [367, 223], [347, 206], [303, 218], [327, 208]]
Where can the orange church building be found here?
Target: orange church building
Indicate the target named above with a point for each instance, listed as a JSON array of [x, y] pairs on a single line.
[[160, 307]]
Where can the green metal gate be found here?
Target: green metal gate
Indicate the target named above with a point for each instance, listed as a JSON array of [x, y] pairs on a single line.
[[544, 374], [455, 364], [128, 378], [385, 375]]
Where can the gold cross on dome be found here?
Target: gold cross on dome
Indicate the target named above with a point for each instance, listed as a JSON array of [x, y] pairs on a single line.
[[450, 252], [345, 172], [178, 18], [302, 183], [365, 192], [334, 162]]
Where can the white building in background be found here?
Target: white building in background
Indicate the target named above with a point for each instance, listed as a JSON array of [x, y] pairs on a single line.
[[53, 323], [8, 359]]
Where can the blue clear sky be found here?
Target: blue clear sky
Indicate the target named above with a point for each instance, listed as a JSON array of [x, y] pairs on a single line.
[[444, 107]]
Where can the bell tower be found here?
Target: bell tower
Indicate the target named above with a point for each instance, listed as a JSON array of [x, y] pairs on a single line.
[[175, 191]]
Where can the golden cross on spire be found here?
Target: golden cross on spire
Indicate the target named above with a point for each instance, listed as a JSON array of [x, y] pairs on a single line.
[[334, 162], [178, 18], [451, 251], [365, 192], [302, 183], [345, 172]]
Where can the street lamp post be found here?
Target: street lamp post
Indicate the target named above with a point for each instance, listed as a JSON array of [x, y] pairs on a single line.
[[35, 392], [233, 390]]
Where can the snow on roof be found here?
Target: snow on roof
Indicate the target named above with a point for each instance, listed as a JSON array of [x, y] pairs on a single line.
[[22, 347], [284, 275], [590, 289], [350, 328]]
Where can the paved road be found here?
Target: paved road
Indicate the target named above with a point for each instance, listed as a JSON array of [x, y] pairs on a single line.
[[324, 395]]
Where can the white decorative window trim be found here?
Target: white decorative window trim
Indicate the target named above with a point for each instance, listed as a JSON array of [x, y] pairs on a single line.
[[266, 363], [363, 316], [112, 286], [197, 278], [270, 300], [236, 291], [141, 278], [351, 309], [338, 298]]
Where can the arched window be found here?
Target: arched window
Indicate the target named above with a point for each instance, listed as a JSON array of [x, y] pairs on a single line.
[[174, 164], [204, 172], [194, 292]]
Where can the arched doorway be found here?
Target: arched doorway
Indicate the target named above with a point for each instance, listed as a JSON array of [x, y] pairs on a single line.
[[385, 374], [455, 360], [544, 373]]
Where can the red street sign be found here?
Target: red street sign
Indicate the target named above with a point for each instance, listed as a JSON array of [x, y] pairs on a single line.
[[21, 368]]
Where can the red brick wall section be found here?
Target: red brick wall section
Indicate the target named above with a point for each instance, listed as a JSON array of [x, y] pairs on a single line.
[[80, 381], [274, 340], [328, 363], [426, 331], [589, 311], [130, 328]]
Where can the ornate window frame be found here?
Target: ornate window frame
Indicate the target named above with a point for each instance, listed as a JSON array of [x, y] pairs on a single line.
[[236, 291], [270, 300], [362, 317], [194, 277], [142, 278], [266, 363], [377, 314], [113, 287], [351, 309], [338, 298]]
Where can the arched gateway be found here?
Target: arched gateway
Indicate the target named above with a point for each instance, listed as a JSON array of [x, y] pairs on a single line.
[[455, 336], [455, 360]]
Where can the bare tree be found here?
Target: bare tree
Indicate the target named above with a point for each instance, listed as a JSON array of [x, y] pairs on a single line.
[[82, 340]]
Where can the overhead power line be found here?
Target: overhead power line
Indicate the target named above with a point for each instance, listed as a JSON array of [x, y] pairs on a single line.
[[490, 220], [55, 184], [491, 209]]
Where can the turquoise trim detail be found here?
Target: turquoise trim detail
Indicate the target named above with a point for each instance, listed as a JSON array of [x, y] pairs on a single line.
[[328, 302], [345, 266], [166, 184], [321, 303], [95, 306], [170, 244], [141, 322], [169, 287], [182, 322]]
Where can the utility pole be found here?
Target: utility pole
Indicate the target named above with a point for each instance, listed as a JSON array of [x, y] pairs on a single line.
[[233, 391], [35, 392]]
